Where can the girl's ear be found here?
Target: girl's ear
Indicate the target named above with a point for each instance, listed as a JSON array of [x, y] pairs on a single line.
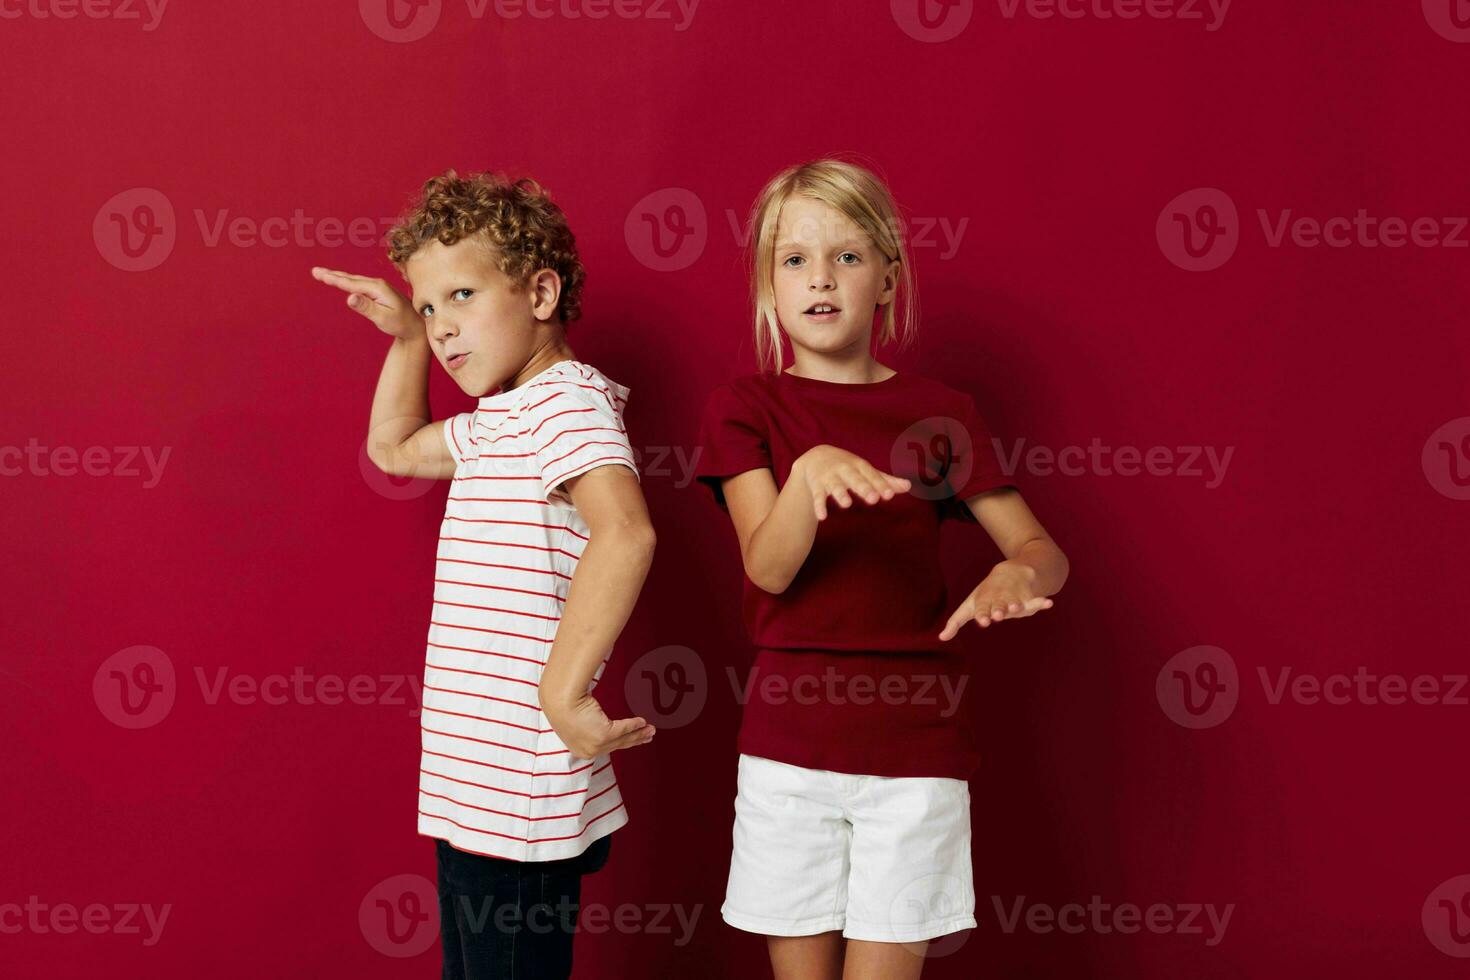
[[545, 290], [890, 284]]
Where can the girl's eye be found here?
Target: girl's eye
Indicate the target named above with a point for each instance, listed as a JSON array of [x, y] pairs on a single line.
[[427, 311], [468, 292], [793, 261], [848, 258]]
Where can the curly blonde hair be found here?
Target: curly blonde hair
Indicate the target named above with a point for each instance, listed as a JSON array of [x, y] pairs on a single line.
[[526, 230]]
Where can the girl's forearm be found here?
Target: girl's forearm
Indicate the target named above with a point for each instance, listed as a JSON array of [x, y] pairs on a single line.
[[1049, 563], [779, 546]]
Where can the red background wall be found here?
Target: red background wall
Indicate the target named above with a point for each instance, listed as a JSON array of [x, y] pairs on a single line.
[[1334, 541]]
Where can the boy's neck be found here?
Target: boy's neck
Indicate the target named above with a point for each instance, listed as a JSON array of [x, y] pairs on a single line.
[[553, 352]]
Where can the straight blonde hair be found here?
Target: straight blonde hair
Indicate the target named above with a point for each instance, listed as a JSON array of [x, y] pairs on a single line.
[[864, 199]]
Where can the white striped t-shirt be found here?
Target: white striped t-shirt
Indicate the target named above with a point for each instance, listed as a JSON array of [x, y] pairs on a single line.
[[494, 778]]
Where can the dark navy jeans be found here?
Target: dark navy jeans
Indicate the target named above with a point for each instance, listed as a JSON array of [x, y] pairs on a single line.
[[511, 920]]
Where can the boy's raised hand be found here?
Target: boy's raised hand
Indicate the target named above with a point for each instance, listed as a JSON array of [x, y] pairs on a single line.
[[376, 300], [587, 732], [837, 473], [1006, 593]]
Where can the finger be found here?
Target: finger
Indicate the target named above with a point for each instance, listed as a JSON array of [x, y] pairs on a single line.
[[642, 736], [819, 505], [620, 729], [375, 289], [957, 619], [875, 488], [839, 493], [851, 481]]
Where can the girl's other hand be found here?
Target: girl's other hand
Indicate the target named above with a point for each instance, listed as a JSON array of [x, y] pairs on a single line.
[[837, 473], [385, 306], [1006, 593]]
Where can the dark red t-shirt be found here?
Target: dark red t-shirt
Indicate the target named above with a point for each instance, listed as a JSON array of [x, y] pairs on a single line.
[[850, 674]]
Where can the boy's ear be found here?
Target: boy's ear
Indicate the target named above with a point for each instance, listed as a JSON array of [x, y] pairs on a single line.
[[545, 289]]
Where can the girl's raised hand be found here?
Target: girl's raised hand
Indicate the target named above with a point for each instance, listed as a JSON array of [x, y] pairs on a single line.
[[376, 300], [1006, 593], [837, 473]]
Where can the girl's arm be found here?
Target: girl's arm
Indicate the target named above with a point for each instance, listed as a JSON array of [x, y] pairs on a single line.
[[776, 528], [1034, 567]]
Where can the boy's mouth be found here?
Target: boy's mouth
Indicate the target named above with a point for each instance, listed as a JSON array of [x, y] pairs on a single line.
[[453, 361], [823, 312]]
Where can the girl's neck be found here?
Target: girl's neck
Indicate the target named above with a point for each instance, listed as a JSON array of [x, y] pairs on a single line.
[[858, 370]]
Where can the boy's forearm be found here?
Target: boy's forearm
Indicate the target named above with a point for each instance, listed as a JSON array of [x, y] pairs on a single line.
[[401, 399], [780, 544], [604, 590]]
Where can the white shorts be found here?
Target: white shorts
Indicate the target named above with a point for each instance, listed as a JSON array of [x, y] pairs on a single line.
[[885, 859]]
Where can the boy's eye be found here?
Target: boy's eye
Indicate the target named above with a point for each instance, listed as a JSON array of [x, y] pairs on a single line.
[[427, 310], [848, 258], [468, 293]]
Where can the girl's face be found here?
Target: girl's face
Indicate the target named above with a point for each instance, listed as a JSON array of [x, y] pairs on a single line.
[[829, 279]]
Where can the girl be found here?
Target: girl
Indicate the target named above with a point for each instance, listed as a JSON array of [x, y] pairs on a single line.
[[852, 816]]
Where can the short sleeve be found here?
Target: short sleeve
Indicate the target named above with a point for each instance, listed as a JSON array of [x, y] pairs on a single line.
[[975, 466], [732, 440], [459, 436], [573, 427]]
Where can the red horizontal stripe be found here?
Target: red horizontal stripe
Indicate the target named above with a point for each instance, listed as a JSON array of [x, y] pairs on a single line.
[[524, 840], [513, 792], [493, 721], [499, 677], [482, 697], [502, 813], [513, 568], [513, 612], [510, 544], [519, 772], [485, 629], [489, 653], [487, 520], [499, 588]]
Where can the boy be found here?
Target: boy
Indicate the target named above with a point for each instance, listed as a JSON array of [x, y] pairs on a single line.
[[543, 550]]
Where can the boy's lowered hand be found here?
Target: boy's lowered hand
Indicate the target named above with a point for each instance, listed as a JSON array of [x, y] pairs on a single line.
[[587, 731], [1008, 592], [376, 300]]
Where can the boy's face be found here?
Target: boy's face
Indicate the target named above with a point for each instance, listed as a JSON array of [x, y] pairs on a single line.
[[829, 278], [482, 325]]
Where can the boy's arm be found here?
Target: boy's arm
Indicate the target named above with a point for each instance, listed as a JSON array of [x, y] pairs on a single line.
[[401, 440], [604, 588]]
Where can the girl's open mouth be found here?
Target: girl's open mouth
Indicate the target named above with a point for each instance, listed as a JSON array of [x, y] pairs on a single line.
[[455, 361]]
